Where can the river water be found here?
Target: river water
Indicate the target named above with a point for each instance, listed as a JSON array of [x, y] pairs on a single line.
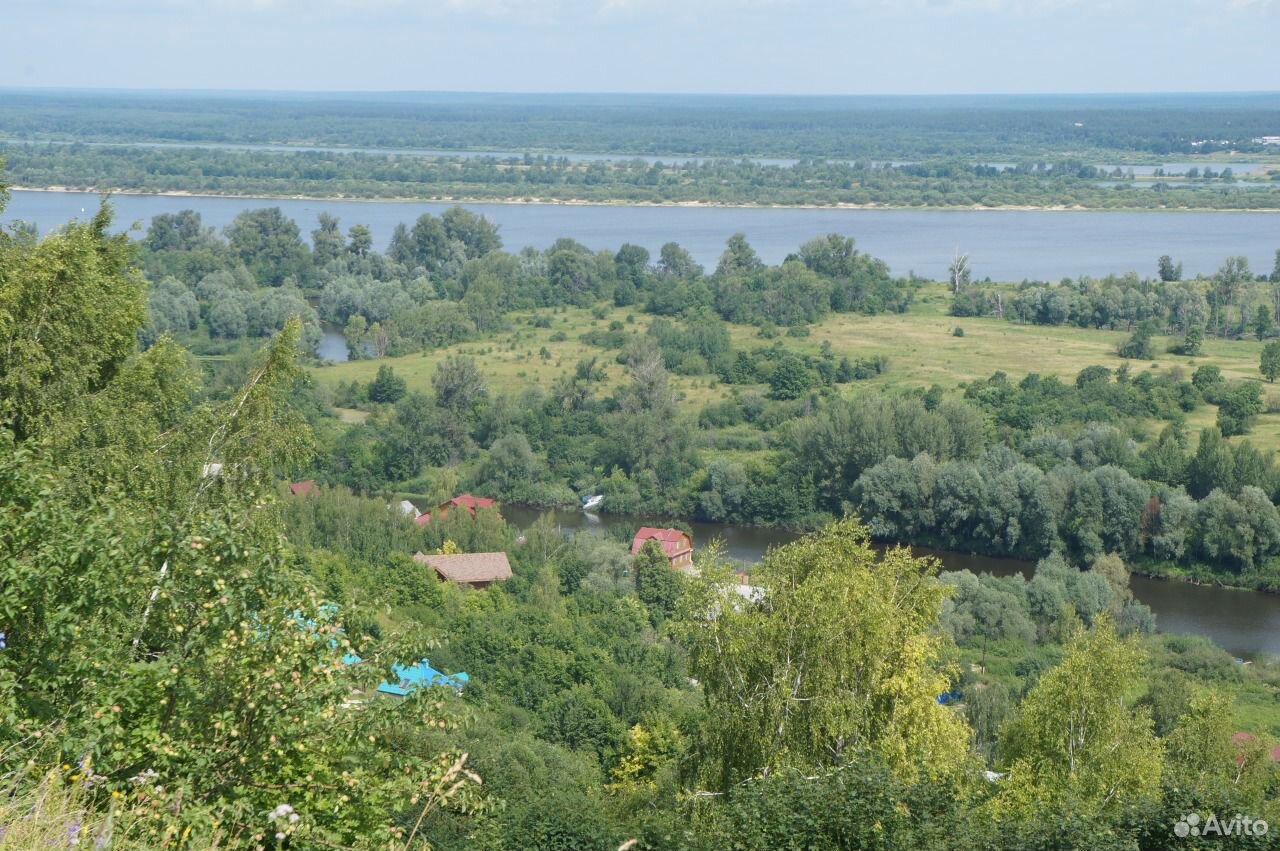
[[1005, 245], [1246, 623]]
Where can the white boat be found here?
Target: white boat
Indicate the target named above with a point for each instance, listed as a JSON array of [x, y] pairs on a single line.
[[592, 502]]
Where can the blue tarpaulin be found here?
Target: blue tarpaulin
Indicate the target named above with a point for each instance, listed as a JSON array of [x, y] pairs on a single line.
[[421, 675]]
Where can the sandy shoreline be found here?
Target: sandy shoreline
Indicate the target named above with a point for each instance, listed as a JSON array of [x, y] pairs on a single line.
[[578, 202]]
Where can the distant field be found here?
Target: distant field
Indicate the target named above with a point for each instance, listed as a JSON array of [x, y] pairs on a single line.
[[920, 345]]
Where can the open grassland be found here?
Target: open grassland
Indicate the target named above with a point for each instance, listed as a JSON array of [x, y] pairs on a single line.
[[921, 345]]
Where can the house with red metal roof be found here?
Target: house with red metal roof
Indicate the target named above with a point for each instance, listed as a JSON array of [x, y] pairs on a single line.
[[303, 488], [466, 500], [1246, 742], [676, 545]]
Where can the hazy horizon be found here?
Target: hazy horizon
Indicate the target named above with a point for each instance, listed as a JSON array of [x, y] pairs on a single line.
[[764, 47], [569, 93]]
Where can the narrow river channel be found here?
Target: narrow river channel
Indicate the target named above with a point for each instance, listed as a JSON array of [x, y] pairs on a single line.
[[1246, 623]]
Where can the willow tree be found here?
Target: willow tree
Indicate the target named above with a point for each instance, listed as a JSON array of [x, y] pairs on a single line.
[[836, 655]]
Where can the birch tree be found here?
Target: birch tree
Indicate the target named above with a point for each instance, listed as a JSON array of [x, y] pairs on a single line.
[[840, 655]]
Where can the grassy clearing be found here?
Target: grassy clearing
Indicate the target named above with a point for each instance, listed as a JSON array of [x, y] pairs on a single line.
[[513, 360], [920, 344]]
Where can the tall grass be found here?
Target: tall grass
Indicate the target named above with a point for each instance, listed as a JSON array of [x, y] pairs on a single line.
[[54, 813]]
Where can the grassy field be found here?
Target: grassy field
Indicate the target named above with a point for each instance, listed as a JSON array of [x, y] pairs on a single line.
[[920, 344]]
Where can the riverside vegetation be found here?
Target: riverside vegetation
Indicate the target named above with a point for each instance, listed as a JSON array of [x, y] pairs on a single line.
[[328, 174], [687, 149], [174, 668]]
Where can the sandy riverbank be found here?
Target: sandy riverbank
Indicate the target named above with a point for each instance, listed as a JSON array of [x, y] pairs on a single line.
[[583, 202]]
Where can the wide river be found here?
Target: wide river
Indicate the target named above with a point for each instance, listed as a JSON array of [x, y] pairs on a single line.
[[1246, 623], [1006, 245]]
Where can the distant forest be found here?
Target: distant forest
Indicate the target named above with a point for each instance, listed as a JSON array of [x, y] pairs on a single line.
[[882, 128], [328, 174]]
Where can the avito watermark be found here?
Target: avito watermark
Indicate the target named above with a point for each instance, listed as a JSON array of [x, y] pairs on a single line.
[[1193, 825]]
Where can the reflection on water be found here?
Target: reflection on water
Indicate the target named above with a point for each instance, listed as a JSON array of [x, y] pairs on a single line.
[[332, 346], [1244, 622]]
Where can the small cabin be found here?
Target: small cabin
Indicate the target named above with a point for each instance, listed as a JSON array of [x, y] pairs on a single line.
[[479, 570], [465, 501], [676, 545]]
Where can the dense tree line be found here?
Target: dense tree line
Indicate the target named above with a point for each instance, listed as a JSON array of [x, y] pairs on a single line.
[[326, 174], [1234, 303], [445, 279]]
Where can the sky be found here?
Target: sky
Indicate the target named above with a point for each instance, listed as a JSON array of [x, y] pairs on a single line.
[[685, 46]]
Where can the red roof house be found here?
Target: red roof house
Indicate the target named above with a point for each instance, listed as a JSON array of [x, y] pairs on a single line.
[[467, 501], [677, 546], [303, 488], [1246, 742]]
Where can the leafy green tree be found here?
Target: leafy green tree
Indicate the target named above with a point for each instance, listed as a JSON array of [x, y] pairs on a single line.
[[1270, 363], [418, 435], [650, 435], [577, 717], [1212, 466], [1207, 378], [1262, 322], [359, 240], [632, 262], [270, 245], [989, 707], [426, 245], [1075, 743], [387, 388], [841, 655], [181, 231], [1207, 763], [1168, 270], [477, 235], [326, 240], [1092, 375], [1241, 531], [1192, 342], [790, 379], [1227, 285], [860, 805], [1238, 406], [739, 258], [356, 333], [676, 262], [657, 583], [1165, 460], [511, 463], [70, 307], [1138, 346], [172, 307], [460, 392]]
